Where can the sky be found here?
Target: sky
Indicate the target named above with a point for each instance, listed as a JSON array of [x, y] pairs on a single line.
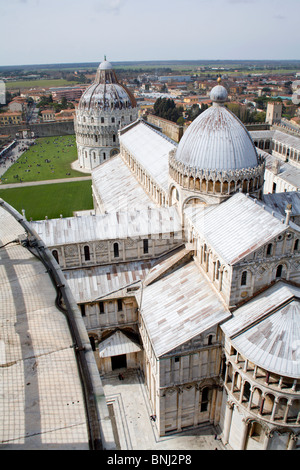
[[68, 31]]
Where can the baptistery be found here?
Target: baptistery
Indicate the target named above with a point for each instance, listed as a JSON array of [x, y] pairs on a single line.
[[104, 108], [216, 156]]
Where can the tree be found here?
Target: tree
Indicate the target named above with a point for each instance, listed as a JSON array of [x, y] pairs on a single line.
[[166, 109]]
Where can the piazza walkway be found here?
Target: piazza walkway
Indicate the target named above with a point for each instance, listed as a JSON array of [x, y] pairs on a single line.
[[130, 412]]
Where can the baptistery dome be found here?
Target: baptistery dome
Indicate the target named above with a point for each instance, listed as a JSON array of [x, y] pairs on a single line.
[[216, 156], [104, 108], [106, 92]]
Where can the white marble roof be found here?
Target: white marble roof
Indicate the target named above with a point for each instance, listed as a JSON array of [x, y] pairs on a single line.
[[117, 187], [150, 148], [237, 227], [288, 172], [96, 282], [266, 330], [116, 344], [179, 307], [217, 140], [282, 137], [279, 201], [111, 226]]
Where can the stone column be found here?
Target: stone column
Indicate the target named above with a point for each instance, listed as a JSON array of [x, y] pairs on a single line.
[[292, 442], [227, 421], [267, 439], [196, 412], [179, 409], [244, 434]]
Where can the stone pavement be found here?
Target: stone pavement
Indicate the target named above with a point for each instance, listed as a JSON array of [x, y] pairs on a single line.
[[130, 412]]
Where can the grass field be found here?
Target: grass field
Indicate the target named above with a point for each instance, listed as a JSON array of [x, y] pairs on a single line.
[[49, 158], [50, 200], [25, 84]]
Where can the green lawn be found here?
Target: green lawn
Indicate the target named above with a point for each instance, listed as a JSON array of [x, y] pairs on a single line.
[[24, 84], [49, 158], [50, 200]]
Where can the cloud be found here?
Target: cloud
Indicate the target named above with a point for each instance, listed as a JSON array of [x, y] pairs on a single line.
[[279, 17], [110, 6]]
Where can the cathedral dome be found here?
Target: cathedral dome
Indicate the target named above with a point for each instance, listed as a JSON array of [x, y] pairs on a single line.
[[106, 93], [217, 139]]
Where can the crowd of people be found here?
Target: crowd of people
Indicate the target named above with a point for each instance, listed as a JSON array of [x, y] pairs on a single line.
[[12, 153]]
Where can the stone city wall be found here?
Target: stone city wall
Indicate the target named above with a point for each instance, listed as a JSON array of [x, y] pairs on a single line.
[[47, 129]]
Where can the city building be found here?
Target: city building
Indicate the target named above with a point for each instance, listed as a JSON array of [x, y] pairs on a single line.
[[274, 111], [10, 118], [185, 273], [48, 115], [104, 108], [71, 93]]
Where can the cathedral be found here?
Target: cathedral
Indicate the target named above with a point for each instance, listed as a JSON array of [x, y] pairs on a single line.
[[188, 268]]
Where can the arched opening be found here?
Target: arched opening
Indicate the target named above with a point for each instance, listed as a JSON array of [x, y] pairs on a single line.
[[244, 278], [204, 400], [279, 271], [116, 250], [246, 392]]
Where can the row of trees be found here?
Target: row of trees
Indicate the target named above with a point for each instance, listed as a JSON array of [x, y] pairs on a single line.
[[47, 102], [166, 109]]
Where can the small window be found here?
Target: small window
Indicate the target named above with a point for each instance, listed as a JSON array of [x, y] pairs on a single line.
[[279, 271], [146, 246], [102, 120], [176, 359], [101, 307], [244, 278], [93, 344], [104, 156], [296, 245], [87, 253], [116, 250], [114, 138], [112, 119], [204, 400], [210, 338], [82, 309], [55, 255], [120, 305], [269, 249]]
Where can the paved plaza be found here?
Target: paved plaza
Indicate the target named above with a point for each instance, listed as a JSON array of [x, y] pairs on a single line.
[[130, 412]]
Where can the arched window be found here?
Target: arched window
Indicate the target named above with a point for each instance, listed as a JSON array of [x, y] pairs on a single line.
[[114, 138], [55, 255], [296, 245], [244, 278], [116, 250], [102, 120], [112, 119], [204, 399], [87, 253], [279, 271], [269, 249]]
